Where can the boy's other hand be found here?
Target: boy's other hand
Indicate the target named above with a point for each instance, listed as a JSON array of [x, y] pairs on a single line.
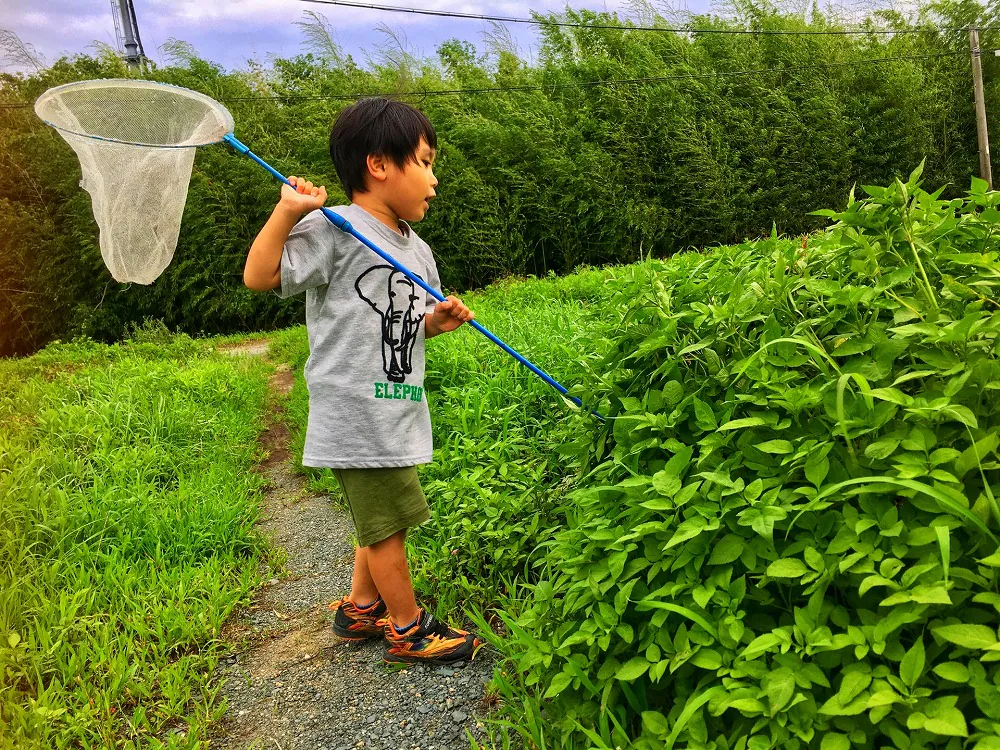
[[448, 316], [303, 197]]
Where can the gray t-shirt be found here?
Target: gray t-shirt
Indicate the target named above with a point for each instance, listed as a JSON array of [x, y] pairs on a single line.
[[365, 320]]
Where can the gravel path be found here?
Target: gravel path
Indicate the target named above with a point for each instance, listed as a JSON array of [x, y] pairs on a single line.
[[291, 683]]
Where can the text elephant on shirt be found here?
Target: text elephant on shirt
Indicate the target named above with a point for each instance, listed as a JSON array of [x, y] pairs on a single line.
[[394, 297]]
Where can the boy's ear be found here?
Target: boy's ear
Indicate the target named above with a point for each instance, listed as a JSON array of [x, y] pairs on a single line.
[[377, 167]]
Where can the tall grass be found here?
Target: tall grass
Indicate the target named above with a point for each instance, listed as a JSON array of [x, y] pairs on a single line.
[[127, 503]]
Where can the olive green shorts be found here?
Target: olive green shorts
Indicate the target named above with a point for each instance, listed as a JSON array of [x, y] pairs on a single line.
[[383, 501]]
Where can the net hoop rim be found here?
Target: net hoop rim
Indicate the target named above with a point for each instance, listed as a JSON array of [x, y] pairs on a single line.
[[137, 84]]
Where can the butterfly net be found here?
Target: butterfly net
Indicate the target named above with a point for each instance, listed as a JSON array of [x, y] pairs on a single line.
[[136, 142]]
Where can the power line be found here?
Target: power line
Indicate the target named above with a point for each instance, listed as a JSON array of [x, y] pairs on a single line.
[[662, 29], [610, 82]]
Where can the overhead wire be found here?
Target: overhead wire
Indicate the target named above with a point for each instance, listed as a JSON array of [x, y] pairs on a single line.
[[542, 21]]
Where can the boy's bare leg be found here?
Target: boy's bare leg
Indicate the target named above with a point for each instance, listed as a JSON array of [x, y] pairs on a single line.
[[363, 588], [388, 570]]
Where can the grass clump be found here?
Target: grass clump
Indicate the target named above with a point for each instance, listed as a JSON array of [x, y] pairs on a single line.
[[126, 537]]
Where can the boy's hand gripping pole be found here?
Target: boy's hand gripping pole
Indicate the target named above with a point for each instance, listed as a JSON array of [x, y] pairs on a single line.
[[343, 224]]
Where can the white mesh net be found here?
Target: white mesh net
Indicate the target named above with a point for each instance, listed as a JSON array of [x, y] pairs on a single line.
[[136, 142]]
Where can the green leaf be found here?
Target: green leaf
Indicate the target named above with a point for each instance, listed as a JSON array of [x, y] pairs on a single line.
[[944, 543], [912, 665], [969, 636], [632, 404], [775, 446], [706, 658], [814, 559], [852, 346], [882, 698], [666, 484], [727, 550], [684, 611], [559, 683], [881, 449], [633, 669], [976, 453], [834, 741], [852, 685], [789, 567], [892, 395], [759, 645], [655, 723], [691, 707], [704, 416], [949, 723], [779, 686], [961, 414], [750, 706], [737, 424], [833, 707], [930, 595], [952, 671], [817, 469], [687, 530]]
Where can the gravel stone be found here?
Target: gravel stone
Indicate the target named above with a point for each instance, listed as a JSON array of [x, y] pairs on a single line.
[[290, 682]]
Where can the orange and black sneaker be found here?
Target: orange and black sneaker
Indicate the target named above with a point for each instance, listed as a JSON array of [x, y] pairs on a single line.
[[353, 623], [429, 641]]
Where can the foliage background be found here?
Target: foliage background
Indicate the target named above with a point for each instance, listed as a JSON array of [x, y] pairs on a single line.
[[531, 181]]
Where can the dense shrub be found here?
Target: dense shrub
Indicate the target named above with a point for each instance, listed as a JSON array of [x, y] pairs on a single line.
[[786, 535]]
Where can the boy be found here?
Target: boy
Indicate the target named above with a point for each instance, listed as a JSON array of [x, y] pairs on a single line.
[[368, 418]]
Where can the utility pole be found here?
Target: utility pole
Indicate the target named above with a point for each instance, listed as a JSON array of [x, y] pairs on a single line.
[[985, 171], [134, 54]]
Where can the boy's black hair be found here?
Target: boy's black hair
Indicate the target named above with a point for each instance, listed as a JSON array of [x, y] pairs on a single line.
[[380, 126]]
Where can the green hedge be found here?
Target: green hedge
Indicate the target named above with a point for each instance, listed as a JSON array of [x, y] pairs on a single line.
[[531, 181]]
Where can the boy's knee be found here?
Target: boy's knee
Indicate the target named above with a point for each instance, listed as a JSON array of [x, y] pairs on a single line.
[[394, 540]]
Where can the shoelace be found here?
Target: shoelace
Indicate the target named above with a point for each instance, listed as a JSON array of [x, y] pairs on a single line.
[[334, 606], [437, 628], [432, 627]]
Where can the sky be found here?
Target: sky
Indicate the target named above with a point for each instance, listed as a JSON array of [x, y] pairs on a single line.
[[230, 32]]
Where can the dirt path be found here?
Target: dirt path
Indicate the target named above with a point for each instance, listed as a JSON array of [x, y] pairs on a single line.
[[290, 682]]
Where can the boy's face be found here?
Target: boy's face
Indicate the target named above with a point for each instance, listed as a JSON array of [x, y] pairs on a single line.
[[411, 188]]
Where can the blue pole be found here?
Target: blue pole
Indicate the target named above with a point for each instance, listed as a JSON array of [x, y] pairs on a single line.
[[343, 224]]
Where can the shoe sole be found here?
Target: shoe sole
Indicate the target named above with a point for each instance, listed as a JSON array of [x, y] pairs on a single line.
[[436, 662], [352, 635]]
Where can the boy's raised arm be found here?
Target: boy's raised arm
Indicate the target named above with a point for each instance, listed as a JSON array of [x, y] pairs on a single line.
[[263, 266]]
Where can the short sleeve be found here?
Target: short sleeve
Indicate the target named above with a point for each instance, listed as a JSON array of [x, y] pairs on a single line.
[[308, 258]]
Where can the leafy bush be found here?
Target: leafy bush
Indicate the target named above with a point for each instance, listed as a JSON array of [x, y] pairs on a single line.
[[786, 535]]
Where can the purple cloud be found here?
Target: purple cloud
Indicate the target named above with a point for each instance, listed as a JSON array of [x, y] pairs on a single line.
[[232, 31]]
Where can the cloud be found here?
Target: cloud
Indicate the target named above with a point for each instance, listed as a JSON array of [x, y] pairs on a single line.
[[231, 31]]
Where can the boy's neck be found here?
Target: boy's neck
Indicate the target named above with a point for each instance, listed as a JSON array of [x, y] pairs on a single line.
[[378, 209]]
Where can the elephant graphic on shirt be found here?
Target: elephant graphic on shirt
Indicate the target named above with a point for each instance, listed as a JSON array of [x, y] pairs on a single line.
[[395, 298]]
